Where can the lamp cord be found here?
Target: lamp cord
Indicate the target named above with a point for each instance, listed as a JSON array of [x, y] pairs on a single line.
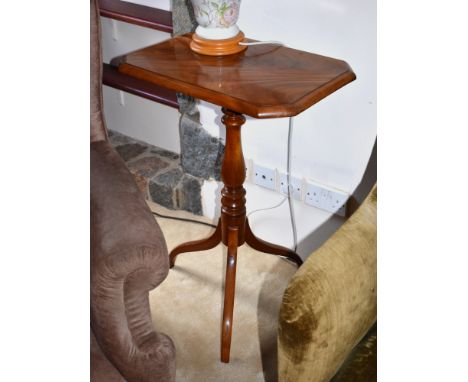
[[290, 131], [261, 43], [288, 197], [290, 202], [268, 208], [182, 219]]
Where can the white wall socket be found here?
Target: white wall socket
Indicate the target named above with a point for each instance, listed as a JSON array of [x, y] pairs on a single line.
[[326, 198], [296, 186], [264, 176]]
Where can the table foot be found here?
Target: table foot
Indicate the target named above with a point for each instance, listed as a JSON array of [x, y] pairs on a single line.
[[197, 245], [229, 291], [264, 246]]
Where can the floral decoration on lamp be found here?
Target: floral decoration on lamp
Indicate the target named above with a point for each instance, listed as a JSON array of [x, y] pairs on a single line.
[[216, 14]]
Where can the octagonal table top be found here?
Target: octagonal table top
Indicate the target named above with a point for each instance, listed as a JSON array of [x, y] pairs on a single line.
[[265, 81]]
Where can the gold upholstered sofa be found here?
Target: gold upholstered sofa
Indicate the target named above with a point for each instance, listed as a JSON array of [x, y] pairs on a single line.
[[330, 303]]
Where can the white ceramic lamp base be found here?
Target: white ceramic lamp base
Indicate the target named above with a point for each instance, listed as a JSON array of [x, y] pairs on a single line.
[[217, 33]]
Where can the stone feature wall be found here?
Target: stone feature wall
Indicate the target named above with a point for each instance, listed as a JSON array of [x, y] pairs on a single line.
[[159, 175], [164, 177], [201, 153], [183, 19]]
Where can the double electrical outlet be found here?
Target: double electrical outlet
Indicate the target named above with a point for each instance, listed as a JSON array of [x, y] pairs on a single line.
[[312, 193]]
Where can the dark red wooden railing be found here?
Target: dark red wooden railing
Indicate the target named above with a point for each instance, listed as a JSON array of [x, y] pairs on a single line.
[[112, 77], [137, 14], [146, 17]]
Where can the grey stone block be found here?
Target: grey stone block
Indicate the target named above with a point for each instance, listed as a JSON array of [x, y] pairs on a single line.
[[171, 177], [164, 153], [147, 166], [131, 150], [188, 106], [177, 191], [201, 153], [188, 195], [183, 18], [161, 187], [117, 139]]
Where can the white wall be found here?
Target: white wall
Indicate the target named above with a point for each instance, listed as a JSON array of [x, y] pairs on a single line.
[[128, 114], [332, 141], [161, 4]]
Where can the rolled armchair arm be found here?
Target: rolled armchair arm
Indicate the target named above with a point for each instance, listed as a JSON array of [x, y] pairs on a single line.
[[330, 302], [128, 259], [121, 317]]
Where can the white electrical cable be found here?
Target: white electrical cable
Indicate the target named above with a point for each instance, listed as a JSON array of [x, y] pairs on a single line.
[[288, 197], [262, 43], [291, 207], [290, 131], [268, 208]]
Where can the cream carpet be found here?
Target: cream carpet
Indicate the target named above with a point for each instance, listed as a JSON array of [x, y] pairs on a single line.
[[188, 307]]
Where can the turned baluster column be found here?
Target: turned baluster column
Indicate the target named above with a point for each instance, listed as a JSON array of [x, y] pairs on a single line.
[[232, 217], [233, 176]]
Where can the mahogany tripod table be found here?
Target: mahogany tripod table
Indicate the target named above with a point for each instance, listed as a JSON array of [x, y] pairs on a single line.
[[265, 81]]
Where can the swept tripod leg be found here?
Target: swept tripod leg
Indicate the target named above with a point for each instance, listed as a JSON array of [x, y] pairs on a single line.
[[229, 290], [197, 245], [264, 246]]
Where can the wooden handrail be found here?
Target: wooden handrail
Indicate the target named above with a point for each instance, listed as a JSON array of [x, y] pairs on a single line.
[[112, 77], [146, 17], [137, 14]]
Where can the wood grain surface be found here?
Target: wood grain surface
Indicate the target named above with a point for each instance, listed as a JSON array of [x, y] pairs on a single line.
[[265, 81]]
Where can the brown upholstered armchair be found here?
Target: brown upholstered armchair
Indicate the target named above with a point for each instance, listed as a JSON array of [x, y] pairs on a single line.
[[128, 259]]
